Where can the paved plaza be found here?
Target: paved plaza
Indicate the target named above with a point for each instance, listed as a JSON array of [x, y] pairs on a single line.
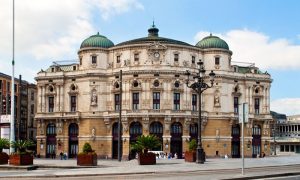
[[231, 168]]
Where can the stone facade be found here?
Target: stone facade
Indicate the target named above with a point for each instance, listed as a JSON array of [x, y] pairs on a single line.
[[79, 103]]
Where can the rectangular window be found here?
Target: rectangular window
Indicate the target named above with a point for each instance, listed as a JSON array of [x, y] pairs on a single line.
[[117, 102], [156, 100], [176, 101], [118, 59], [16, 88], [32, 96], [0, 84], [217, 61], [193, 59], [73, 103], [50, 104], [136, 57], [194, 102], [94, 59], [256, 105], [236, 105], [8, 86], [32, 109], [135, 101], [176, 57]]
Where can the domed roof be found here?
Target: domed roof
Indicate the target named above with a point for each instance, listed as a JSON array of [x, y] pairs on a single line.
[[97, 41], [153, 37], [212, 42]]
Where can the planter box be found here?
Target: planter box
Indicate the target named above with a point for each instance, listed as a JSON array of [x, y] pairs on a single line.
[[3, 158], [87, 159], [21, 159], [190, 156], [147, 158]]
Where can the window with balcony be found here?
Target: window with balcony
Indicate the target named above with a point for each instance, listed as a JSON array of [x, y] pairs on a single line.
[[135, 101], [50, 104], [176, 101], [117, 102], [73, 103], [256, 105], [156, 100], [194, 102], [236, 105]]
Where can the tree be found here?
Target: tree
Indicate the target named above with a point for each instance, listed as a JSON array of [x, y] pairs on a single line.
[[4, 144], [145, 143]]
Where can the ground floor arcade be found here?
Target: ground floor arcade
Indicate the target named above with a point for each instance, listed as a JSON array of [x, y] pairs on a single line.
[[220, 137]]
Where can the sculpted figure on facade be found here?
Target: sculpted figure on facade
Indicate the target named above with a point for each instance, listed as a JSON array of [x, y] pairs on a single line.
[[94, 98]]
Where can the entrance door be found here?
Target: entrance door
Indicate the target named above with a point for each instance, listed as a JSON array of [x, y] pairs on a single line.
[[235, 142], [156, 128], [51, 141], [135, 131], [73, 140], [115, 136], [256, 141], [176, 139]]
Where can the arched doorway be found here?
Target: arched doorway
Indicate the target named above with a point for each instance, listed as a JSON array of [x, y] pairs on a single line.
[[135, 131], [51, 140], [256, 141], [194, 132], [235, 141], [156, 128], [176, 139], [115, 135], [73, 140]]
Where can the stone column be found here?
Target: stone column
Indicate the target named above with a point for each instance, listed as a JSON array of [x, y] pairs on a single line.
[[186, 134], [43, 99], [126, 139], [167, 135]]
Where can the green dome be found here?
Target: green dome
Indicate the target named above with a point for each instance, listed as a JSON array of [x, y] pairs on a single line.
[[212, 42], [97, 41]]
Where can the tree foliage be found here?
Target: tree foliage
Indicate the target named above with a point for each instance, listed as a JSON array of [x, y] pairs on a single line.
[[145, 143], [4, 144]]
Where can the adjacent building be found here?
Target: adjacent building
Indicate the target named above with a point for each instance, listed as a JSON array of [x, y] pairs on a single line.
[[287, 135], [25, 109], [80, 102]]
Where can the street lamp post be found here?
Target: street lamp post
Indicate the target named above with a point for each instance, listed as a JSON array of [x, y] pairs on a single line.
[[199, 86], [274, 138]]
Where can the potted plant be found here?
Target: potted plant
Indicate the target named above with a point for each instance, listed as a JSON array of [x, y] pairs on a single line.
[[190, 156], [4, 144], [142, 145], [87, 157], [21, 156]]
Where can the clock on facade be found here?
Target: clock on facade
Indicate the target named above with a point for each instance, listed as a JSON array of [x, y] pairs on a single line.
[[156, 54]]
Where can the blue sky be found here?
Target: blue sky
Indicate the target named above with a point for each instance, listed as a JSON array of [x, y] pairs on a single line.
[[266, 33]]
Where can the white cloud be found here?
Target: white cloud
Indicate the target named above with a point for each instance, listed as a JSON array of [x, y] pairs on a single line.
[[258, 48], [109, 8], [288, 106], [51, 29]]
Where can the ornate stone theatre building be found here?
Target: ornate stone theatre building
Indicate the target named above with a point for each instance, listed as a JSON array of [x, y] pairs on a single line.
[[79, 102]]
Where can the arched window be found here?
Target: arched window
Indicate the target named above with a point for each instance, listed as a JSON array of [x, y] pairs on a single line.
[[256, 130], [135, 128], [176, 128], [156, 128], [51, 129], [73, 129]]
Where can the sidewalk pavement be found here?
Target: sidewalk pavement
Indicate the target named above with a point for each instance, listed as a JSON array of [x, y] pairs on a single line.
[[59, 168]]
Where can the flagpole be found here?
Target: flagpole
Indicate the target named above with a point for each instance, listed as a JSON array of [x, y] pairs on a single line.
[[12, 101]]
